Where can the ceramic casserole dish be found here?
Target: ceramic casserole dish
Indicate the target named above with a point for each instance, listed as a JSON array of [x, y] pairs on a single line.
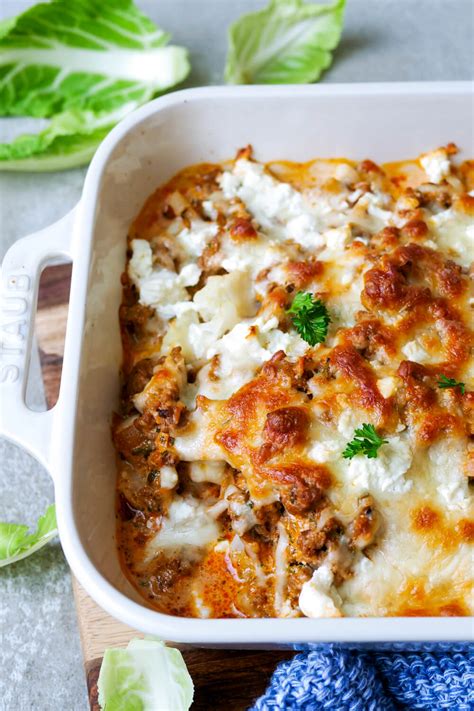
[[384, 121]]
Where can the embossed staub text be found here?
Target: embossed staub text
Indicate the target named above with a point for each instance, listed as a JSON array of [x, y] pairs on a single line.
[[13, 325]]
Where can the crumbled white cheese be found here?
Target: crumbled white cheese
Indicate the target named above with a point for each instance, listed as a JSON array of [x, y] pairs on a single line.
[[278, 208], [348, 421], [387, 386], [244, 518], [436, 165], [291, 343], [252, 256], [346, 173], [188, 523], [415, 352], [161, 288], [385, 473], [241, 351], [196, 442], [202, 338], [140, 265], [376, 204], [179, 333], [336, 241], [168, 477], [240, 355], [447, 460], [207, 471], [318, 597], [229, 183], [224, 301], [344, 307], [239, 345], [441, 218], [331, 209], [302, 229], [453, 231], [371, 581], [325, 450], [194, 239], [209, 209]]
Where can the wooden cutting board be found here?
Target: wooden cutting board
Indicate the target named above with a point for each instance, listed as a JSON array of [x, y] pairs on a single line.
[[223, 679]]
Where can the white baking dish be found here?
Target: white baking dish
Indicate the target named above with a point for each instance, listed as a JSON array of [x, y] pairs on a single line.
[[380, 121]]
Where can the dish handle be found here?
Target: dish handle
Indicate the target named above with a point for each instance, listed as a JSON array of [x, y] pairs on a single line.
[[20, 276]]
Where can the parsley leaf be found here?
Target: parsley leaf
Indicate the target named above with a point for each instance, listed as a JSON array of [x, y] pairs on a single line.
[[310, 317], [445, 382], [365, 441]]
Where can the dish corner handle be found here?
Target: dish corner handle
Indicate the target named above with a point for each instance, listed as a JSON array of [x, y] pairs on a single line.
[[20, 276]]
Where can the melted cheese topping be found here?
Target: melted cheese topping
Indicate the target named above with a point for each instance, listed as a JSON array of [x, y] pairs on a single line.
[[187, 525], [318, 597], [436, 165], [280, 211], [161, 288], [235, 498]]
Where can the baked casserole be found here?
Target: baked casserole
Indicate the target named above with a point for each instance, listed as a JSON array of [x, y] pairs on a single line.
[[295, 433]]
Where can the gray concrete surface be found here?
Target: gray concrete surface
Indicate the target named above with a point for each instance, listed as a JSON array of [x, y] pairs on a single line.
[[384, 40]]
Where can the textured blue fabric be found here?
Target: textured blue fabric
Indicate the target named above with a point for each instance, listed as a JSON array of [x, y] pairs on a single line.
[[342, 680]]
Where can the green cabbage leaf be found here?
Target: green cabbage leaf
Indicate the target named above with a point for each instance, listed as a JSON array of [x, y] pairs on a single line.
[[288, 42], [83, 64], [16, 542], [146, 676]]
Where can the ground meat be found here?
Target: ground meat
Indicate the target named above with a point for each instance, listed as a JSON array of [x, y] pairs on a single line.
[[135, 438], [417, 389], [138, 377], [135, 319], [324, 532], [284, 428], [432, 196], [160, 397], [242, 229], [167, 571], [468, 410], [301, 484], [364, 527], [126, 510]]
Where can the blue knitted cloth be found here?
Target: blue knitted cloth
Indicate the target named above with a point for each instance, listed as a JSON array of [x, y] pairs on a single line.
[[342, 680]]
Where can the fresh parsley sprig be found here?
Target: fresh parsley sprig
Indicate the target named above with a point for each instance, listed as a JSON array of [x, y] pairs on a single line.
[[365, 441], [310, 317], [445, 382]]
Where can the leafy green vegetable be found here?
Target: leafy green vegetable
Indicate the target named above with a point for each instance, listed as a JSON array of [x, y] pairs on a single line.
[[366, 441], [84, 64], [146, 676], [310, 317], [288, 42], [445, 382], [16, 543], [70, 140]]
